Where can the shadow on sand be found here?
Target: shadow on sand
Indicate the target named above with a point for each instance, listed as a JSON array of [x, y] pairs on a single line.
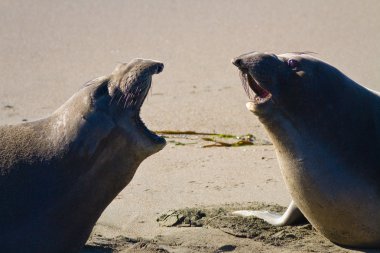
[[96, 249]]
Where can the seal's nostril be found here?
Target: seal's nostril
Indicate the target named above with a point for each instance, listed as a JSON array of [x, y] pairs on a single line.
[[237, 62], [160, 67]]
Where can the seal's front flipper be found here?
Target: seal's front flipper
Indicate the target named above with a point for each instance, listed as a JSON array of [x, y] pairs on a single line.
[[291, 216]]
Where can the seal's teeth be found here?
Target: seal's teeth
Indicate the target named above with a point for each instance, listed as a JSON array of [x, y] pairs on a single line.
[[253, 89], [244, 81], [261, 100], [250, 106]]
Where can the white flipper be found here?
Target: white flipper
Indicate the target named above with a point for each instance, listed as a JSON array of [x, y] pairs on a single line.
[[291, 216]]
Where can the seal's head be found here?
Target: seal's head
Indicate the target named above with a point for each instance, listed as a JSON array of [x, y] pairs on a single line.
[[288, 81], [128, 87], [299, 90], [117, 99]]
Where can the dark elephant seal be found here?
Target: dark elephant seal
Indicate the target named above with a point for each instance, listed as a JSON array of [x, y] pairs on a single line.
[[58, 174], [326, 131]]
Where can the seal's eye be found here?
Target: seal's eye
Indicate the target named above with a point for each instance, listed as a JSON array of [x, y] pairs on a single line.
[[292, 63]]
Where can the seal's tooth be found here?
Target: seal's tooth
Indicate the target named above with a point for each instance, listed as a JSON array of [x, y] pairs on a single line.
[[250, 106]]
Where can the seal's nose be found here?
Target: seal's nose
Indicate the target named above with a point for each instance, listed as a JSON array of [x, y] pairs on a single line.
[[160, 67], [237, 62]]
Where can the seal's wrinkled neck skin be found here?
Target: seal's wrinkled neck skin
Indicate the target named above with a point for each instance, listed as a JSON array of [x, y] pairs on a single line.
[[58, 174], [320, 122]]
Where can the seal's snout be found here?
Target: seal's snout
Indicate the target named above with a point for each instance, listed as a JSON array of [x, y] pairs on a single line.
[[244, 60], [237, 62], [160, 68], [249, 65]]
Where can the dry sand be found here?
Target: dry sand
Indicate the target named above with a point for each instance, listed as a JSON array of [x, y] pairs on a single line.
[[49, 49]]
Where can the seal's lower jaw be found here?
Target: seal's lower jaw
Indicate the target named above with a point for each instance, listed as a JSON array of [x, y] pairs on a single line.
[[261, 95], [154, 137], [263, 109], [158, 141], [154, 142]]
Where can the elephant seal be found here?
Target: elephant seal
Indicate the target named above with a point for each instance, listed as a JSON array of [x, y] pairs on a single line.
[[326, 132], [58, 174]]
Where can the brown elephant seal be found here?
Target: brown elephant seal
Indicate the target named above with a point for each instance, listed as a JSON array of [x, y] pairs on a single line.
[[58, 174], [326, 131]]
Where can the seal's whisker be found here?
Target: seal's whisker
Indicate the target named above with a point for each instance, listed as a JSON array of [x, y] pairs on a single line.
[[149, 87], [135, 94], [304, 52], [150, 90], [130, 102], [138, 92], [127, 97], [125, 101], [244, 80], [112, 97], [130, 98], [121, 96]]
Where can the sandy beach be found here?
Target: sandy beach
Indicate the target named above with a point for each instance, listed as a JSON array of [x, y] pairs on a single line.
[[49, 49]]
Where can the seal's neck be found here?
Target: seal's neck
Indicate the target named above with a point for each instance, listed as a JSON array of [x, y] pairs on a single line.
[[336, 132]]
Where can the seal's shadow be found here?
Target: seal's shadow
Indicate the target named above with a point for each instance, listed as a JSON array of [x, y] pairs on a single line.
[[360, 249], [96, 249]]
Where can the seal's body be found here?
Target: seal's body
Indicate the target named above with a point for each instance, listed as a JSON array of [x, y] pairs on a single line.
[[58, 174], [326, 131]]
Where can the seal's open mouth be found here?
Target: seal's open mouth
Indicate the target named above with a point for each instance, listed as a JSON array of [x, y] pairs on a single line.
[[260, 95], [143, 92], [156, 138], [130, 87]]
